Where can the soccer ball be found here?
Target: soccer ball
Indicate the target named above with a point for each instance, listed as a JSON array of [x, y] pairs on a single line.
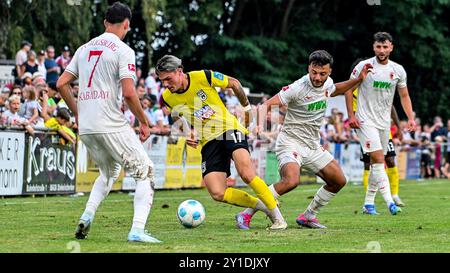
[[191, 213]]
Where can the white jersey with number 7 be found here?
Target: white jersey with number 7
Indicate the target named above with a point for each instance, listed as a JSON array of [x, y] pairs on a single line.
[[100, 65]]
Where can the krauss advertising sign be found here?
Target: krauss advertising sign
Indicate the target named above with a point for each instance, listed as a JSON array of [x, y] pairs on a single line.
[[50, 166]]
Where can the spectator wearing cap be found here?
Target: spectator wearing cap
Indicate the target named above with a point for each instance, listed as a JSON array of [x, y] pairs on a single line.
[[41, 64], [21, 57], [64, 60], [53, 69], [30, 65]]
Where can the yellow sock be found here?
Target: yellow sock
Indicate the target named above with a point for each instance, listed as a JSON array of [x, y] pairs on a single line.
[[393, 179], [366, 179], [262, 191], [239, 198]]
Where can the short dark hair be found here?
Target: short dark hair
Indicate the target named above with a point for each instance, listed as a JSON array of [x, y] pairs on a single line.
[[63, 113], [320, 58], [117, 13], [382, 37]]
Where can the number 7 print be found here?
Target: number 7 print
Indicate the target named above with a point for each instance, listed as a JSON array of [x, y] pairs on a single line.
[[91, 54]]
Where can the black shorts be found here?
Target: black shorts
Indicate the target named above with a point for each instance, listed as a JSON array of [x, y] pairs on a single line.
[[217, 153], [364, 157], [425, 160]]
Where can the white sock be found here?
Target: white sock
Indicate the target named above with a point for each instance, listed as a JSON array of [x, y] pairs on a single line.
[[321, 199], [260, 205], [99, 192], [382, 178], [274, 192], [143, 199], [372, 189]]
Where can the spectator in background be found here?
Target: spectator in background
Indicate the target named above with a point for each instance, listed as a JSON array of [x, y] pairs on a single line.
[[27, 79], [425, 156], [41, 64], [30, 65], [138, 74], [152, 85], [17, 91], [21, 57], [12, 117], [445, 169], [64, 60], [231, 100], [53, 98], [61, 122], [140, 90], [31, 112], [437, 156], [438, 129], [53, 70]]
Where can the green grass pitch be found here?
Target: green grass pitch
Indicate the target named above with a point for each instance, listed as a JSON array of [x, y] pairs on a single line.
[[47, 224]]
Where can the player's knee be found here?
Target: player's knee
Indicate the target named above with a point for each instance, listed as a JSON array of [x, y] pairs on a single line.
[[248, 176], [291, 181], [218, 196]]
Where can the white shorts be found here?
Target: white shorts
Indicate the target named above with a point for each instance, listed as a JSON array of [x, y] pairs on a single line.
[[373, 139], [288, 150], [112, 151]]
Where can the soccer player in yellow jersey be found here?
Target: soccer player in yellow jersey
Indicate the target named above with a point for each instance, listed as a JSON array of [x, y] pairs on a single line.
[[391, 170], [193, 96]]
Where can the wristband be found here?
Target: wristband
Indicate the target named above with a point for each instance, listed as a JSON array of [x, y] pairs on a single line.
[[248, 108]]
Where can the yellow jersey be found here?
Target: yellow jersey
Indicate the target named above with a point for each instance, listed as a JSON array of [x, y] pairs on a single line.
[[355, 103], [201, 105]]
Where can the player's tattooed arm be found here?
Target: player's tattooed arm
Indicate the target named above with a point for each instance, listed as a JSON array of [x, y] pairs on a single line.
[[238, 91]]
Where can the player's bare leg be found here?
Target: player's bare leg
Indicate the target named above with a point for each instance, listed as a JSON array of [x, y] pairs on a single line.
[[335, 180]]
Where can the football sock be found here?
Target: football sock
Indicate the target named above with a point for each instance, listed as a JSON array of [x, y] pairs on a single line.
[[143, 199], [393, 179], [372, 189], [263, 192], [321, 199], [239, 198], [381, 178], [260, 205], [366, 179], [99, 192]]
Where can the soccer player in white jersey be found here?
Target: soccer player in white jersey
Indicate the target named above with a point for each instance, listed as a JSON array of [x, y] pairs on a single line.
[[105, 67], [298, 144], [372, 120]]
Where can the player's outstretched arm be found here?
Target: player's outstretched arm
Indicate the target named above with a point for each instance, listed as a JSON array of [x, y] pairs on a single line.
[[351, 84], [407, 107], [63, 86]]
